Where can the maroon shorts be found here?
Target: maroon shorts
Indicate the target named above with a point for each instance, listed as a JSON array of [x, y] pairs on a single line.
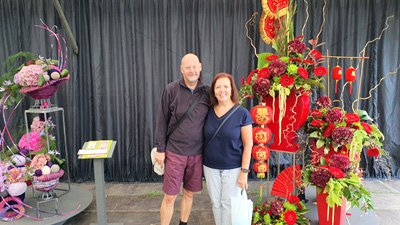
[[188, 169]]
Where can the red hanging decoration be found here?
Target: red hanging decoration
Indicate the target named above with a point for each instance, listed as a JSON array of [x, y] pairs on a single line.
[[260, 168], [260, 152], [351, 76], [261, 135], [261, 114], [337, 75]]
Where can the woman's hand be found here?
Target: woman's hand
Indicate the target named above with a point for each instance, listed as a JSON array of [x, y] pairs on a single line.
[[242, 180]]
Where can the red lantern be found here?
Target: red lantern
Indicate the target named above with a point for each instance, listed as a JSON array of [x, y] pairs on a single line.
[[261, 114], [337, 75], [260, 152], [351, 76], [260, 168], [261, 135]]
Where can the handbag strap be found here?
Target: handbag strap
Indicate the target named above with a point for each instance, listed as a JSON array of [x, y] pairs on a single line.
[[184, 116], [226, 118]]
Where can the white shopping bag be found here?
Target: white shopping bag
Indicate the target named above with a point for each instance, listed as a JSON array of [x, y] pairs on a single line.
[[241, 209]]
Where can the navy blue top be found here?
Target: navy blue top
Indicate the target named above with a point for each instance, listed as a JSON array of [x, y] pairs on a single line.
[[226, 149]]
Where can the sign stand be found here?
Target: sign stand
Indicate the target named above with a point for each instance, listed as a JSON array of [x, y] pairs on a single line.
[[98, 165]]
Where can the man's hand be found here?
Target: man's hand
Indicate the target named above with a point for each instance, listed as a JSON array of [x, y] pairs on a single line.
[[160, 158]]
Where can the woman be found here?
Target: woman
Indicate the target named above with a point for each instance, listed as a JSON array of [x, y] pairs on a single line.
[[227, 156]]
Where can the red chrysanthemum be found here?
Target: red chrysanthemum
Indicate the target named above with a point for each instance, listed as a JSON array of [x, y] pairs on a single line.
[[352, 118], [329, 130], [263, 73], [286, 80], [290, 217], [316, 54], [302, 72], [317, 123], [373, 152], [316, 113], [336, 172], [271, 57], [248, 80], [293, 199], [366, 127], [320, 71]]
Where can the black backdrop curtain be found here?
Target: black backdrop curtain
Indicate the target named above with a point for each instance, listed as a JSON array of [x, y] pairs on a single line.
[[130, 49]]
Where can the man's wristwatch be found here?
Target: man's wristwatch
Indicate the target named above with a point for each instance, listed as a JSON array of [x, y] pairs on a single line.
[[245, 170]]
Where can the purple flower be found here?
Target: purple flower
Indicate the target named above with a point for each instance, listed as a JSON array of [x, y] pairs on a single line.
[[334, 116], [296, 46], [320, 176], [342, 135], [323, 102], [276, 67], [261, 86], [339, 161]]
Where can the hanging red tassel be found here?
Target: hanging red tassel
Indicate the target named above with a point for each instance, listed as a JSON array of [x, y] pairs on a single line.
[[351, 76], [337, 75]]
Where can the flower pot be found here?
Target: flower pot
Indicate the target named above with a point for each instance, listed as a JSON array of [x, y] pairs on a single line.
[[296, 112], [330, 215]]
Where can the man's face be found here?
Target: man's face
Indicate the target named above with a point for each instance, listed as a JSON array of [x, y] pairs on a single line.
[[191, 68]]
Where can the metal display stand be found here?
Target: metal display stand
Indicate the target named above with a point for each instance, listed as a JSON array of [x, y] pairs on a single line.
[[98, 166], [37, 110]]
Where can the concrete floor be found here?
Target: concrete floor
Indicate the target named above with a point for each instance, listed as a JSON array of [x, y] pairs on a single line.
[[138, 203]]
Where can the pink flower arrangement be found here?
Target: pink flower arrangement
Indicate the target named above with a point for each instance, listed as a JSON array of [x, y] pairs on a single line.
[[39, 161], [35, 142], [29, 75]]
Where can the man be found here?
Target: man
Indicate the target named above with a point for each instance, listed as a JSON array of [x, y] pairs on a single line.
[[182, 152]]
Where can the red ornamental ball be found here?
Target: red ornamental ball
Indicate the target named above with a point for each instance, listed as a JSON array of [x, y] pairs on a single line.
[[260, 153], [337, 75], [351, 74], [260, 168], [261, 114], [261, 135]]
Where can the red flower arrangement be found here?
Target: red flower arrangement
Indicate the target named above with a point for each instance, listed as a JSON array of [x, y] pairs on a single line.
[[338, 179], [280, 212], [334, 129]]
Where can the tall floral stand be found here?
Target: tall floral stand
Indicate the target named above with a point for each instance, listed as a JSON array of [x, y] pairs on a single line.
[[330, 215], [289, 115], [37, 110]]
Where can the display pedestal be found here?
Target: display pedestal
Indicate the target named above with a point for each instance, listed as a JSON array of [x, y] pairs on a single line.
[[36, 110], [98, 166]]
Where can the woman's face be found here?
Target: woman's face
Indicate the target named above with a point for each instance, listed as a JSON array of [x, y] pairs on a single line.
[[223, 89]]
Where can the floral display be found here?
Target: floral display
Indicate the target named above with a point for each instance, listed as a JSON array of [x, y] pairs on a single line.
[[335, 129], [33, 74], [339, 179], [281, 212]]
